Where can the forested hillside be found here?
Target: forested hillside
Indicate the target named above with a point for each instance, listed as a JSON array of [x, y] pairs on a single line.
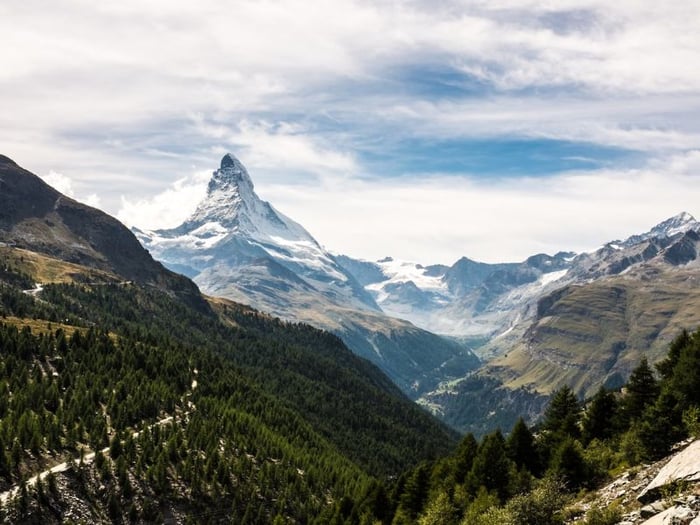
[[212, 415], [532, 475]]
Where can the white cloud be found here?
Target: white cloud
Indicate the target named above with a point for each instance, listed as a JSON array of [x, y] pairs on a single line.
[[128, 96], [434, 219], [437, 218], [656, 124], [281, 146], [59, 182], [168, 208], [64, 184]]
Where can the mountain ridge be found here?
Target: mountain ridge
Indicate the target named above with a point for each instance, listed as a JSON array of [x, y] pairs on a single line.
[[35, 216], [237, 246]]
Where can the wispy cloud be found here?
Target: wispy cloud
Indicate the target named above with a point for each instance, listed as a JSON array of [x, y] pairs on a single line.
[[438, 218], [129, 97], [441, 218]]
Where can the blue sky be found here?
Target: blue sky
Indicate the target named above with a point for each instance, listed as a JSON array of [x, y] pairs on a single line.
[[422, 130]]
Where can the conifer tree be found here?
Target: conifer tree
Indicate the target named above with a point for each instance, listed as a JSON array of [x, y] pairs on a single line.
[[520, 447], [563, 413], [641, 391], [600, 416], [464, 457], [491, 468], [680, 342], [568, 464]]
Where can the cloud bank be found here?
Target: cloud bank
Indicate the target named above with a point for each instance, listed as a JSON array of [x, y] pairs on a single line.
[[526, 121]]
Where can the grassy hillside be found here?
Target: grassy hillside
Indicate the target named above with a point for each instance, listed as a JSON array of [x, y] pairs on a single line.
[[593, 334]]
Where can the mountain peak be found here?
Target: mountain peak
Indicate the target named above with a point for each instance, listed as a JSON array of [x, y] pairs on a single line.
[[231, 206], [231, 176], [229, 161], [681, 222]]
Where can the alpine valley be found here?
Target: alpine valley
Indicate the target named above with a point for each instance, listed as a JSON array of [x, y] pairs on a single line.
[[238, 247], [129, 396], [578, 319]]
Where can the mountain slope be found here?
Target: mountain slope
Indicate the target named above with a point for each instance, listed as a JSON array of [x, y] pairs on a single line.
[[35, 216], [626, 300], [585, 334], [221, 410], [471, 300], [237, 246]]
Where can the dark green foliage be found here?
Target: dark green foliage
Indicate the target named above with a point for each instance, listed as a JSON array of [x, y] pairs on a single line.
[[492, 468], [667, 366], [641, 391], [600, 418], [311, 370], [464, 458], [684, 379], [415, 491], [316, 420], [521, 449], [567, 463], [661, 426], [563, 413]]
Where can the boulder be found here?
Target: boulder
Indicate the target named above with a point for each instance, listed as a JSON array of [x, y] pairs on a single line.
[[652, 509], [683, 466], [673, 516]]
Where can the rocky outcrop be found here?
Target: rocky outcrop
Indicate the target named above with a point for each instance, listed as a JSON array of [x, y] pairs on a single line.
[[685, 513], [666, 492], [684, 467]]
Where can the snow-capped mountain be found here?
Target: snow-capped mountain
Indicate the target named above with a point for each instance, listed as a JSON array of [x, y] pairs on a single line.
[[480, 300], [237, 246], [468, 299], [616, 257], [233, 227], [588, 328]]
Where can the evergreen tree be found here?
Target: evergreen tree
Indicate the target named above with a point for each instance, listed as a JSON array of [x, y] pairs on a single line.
[[680, 342], [600, 416], [492, 468], [661, 426], [567, 463], [641, 391], [464, 457], [684, 381], [415, 491], [563, 413], [520, 447]]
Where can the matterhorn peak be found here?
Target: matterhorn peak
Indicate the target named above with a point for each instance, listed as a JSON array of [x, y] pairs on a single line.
[[231, 176], [229, 161]]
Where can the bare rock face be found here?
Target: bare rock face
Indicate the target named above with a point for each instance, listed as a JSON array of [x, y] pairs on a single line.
[[679, 514], [683, 467], [668, 490], [36, 217]]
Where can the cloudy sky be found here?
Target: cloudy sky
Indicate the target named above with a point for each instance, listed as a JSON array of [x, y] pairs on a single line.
[[419, 129]]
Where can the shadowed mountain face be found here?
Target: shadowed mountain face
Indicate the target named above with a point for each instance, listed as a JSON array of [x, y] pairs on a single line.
[[36, 217]]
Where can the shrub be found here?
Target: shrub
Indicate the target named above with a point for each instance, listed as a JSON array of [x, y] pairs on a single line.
[[607, 516]]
